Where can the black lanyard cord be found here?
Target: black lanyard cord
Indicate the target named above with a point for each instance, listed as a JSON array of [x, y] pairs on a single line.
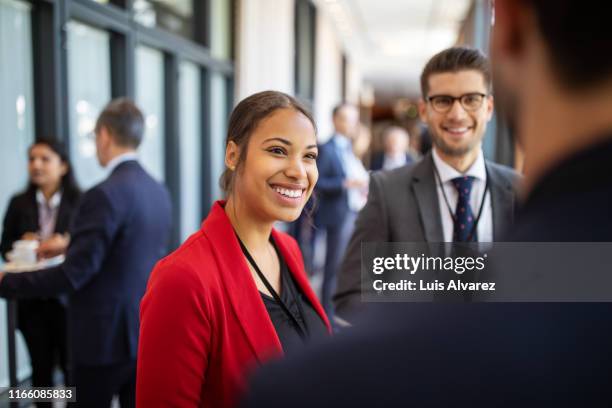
[[296, 321], [452, 213]]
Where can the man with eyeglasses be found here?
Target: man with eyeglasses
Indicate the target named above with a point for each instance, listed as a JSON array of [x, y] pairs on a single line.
[[453, 194]]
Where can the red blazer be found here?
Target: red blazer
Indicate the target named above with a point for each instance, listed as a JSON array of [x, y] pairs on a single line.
[[204, 326]]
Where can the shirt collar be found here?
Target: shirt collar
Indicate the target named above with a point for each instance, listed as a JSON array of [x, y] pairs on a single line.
[[53, 202], [341, 141], [112, 165], [447, 172]]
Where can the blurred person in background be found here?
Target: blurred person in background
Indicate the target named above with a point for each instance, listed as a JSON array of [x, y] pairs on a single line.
[[361, 144], [43, 212], [120, 230], [235, 294], [396, 154], [341, 193], [558, 84]]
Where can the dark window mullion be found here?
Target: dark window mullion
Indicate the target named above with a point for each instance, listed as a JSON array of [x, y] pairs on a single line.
[[46, 56], [201, 22], [122, 65], [172, 147]]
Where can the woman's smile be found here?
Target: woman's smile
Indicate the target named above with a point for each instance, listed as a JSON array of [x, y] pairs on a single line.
[[288, 194]]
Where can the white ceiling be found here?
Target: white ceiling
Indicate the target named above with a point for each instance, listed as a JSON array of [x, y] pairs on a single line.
[[391, 40]]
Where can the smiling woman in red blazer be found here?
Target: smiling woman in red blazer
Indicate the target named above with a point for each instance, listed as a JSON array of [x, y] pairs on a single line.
[[235, 294]]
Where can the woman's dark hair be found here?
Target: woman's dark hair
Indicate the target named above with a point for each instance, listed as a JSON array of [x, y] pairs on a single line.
[[245, 118], [70, 188]]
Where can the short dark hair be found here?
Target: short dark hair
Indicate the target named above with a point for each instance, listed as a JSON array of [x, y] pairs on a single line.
[[577, 34], [456, 59], [124, 121], [245, 118]]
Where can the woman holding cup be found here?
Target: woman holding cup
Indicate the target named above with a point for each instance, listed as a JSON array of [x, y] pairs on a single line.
[[36, 224]]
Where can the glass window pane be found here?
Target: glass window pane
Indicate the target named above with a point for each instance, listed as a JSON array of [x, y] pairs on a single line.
[[218, 127], [220, 46], [150, 99], [173, 15], [89, 91], [190, 148], [17, 119]]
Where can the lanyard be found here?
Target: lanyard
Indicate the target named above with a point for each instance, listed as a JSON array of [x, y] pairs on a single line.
[[452, 213], [295, 319]]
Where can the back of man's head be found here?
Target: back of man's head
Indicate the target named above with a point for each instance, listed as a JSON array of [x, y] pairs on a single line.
[[578, 35], [123, 121], [553, 78]]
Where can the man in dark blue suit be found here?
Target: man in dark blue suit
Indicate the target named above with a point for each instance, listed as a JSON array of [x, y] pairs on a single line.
[[121, 229], [557, 85], [341, 193]]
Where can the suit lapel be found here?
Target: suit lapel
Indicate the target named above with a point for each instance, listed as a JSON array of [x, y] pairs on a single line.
[[424, 188], [63, 216], [502, 202], [296, 269], [338, 161], [33, 214], [240, 287]]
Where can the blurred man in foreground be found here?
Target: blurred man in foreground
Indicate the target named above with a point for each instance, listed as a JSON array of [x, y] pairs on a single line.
[[559, 82]]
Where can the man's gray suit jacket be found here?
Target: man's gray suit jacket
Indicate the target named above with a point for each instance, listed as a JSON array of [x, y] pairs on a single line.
[[403, 206]]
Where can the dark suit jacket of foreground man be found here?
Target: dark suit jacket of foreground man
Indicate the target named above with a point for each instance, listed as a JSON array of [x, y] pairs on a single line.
[[480, 354], [403, 206], [121, 229]]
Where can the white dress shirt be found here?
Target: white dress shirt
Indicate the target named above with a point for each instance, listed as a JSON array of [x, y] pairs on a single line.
[[47, 213], [478, 171], [353, 169], [393, 162], [111, 165]]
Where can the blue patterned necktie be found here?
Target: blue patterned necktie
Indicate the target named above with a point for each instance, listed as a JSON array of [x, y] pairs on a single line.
[[463, 228]]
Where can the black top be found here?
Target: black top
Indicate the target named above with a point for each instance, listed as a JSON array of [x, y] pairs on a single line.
[[286, 330]]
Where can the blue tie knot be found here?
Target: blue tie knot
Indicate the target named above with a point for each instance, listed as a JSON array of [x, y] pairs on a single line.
[[463, 185]]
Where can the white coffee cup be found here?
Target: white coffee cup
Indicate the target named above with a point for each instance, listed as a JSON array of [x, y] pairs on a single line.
[[24, 251]]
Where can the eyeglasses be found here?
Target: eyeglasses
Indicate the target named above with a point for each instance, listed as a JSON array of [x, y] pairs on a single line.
[[444, 103]]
